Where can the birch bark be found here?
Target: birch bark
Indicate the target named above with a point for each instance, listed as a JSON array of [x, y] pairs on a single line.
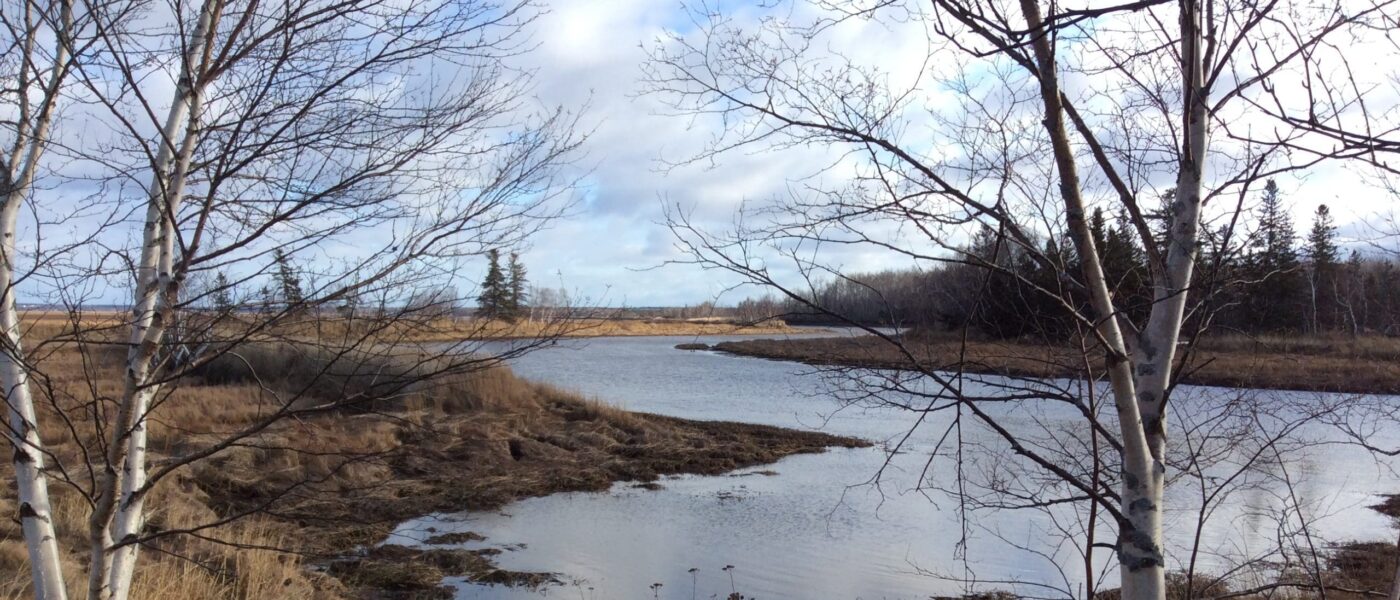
[[118, 515], [1395, 582], [1140, 558], [35, 509], [1156, 348]]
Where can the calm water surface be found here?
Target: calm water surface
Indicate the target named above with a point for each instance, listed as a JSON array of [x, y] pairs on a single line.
[[812, 526]]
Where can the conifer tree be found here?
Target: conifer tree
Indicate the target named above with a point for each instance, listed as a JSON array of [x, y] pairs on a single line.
[[1275, 239], [494, 299], [1322, 240], [1274, 296], [1322, 254], [223, 295], [1125, 265], [288, 281], [517, 292]]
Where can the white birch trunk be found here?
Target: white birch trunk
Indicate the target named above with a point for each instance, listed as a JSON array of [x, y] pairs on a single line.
[[1141, 556], [35, 509], [130, 515], [119, 515], [1140, 545], [1395, 581]]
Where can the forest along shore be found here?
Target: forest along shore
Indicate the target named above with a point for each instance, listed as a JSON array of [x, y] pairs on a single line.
[[1364, 365], [320, 489]]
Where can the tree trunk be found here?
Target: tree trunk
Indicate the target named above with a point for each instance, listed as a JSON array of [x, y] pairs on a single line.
[[1395, 581], [1140, 545], [118, 515], [35, 509], [1141, 554]]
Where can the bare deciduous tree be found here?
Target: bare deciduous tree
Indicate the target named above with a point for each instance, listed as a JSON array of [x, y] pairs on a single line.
[[1018, 122], [375, 144]]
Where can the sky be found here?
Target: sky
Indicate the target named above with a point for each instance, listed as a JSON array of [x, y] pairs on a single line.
[[613, 249]]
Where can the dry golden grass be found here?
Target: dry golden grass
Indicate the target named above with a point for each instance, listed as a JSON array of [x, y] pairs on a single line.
[[241, 564], [111, 326], [460, 328], [1342, 346], [241, 568]]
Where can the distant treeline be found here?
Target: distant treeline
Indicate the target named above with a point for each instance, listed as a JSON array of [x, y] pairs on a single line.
[[1267, 280]]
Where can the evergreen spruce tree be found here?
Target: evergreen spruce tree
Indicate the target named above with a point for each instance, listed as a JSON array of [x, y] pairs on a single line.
[[1322, 240], [494, 298], [223, 294], [1160, 221], [288, 281], [1275, 238], [1274, 300], [1322, 254], [1125, 265], [517, 292], [266, 298]]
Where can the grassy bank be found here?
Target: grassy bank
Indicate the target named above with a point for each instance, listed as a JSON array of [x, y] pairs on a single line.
[[1347, 365], [316, 488], [46, 324]]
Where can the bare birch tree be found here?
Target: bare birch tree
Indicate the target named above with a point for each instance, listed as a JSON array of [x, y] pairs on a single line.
[[34, 78], [1017, 122], [376, 143]]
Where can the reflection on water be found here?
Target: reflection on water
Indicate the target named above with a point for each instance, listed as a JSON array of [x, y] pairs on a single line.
[[810, 526]]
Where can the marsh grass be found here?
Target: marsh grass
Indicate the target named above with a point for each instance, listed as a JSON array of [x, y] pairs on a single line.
[[403, 435], [111, 325], [1326, 364]]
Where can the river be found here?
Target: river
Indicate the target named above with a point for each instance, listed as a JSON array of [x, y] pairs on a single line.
[[813, 526]]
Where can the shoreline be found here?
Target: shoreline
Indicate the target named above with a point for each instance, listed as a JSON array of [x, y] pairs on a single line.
[[303, 508], [477, 442], [1223, 364], [482, 461], [668, 330]]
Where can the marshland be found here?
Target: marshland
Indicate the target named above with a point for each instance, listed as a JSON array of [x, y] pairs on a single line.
[[503, 299]]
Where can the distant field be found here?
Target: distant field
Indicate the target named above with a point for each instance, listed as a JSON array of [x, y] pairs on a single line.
[[472, 328], [48, 324]]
